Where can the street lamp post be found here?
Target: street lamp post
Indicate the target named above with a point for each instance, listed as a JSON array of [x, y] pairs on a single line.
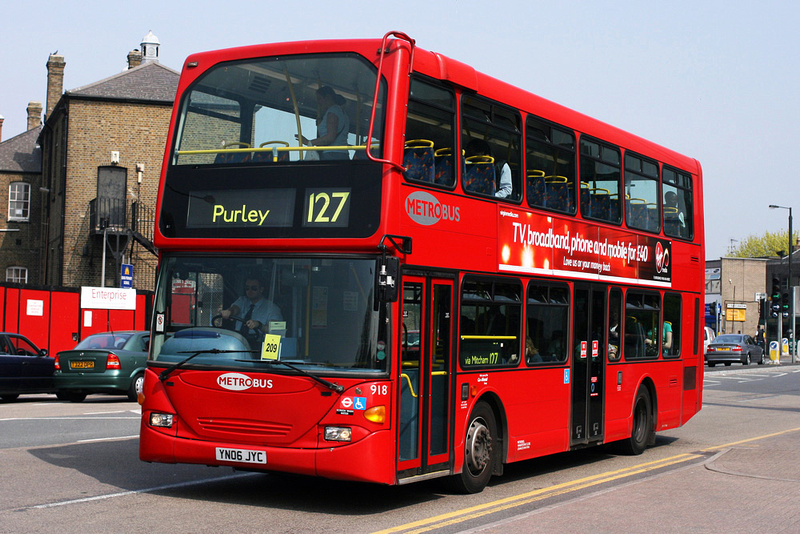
[[789, 285]]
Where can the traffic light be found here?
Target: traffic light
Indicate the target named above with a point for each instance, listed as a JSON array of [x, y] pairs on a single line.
[[775, 297], [785, 304]]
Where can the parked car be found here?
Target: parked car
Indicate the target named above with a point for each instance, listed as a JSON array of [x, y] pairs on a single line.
[[111, 362], [24, 368], [729, 348], [708, 337]]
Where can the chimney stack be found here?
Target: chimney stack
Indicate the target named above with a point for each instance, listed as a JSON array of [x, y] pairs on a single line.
[[1, 128], [134, 58], [34, 115], [55, 81]]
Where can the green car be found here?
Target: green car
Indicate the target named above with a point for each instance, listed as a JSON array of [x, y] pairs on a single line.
[[111, 362]]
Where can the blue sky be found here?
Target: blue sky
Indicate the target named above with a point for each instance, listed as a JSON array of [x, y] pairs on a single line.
[[715, 80]]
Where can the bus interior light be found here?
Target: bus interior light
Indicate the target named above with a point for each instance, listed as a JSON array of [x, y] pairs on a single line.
[[162, 420], [338, 433]]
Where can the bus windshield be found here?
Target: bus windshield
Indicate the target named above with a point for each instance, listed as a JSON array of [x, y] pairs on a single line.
[[240, 311], [279, 109]]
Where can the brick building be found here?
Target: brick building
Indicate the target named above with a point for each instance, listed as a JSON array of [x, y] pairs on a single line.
[[20, 202], [102, 148]]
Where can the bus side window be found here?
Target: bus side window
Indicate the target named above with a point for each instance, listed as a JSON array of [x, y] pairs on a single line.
[[490, 324], [642, 329], [546, 323], [491, 135], [614, 325], [677, 204], [549, 166], [600, 181], [672, 325], [430, 135]]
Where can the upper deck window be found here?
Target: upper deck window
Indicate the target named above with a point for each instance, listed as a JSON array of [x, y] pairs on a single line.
[[550, 166], [600, 181], [430, 135], [280, 109], [491, 139], [677, 191], [641, 193]]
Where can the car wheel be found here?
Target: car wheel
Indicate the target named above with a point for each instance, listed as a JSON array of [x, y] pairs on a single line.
[[76, 396], [711, 364], [9, 398], [136, 387], [727, 364], [62, 395], [746, 360]]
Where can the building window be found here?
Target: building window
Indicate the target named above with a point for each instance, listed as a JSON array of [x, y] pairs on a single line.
[[19, 201], [18, 275]]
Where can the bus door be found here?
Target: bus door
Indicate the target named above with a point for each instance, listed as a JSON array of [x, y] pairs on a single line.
[[588, 364], [425, 376]]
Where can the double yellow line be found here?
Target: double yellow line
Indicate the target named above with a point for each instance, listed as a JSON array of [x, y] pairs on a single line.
[[466, 514]]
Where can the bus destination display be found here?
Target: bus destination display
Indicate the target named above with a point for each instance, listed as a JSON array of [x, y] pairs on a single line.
[[267, 208]]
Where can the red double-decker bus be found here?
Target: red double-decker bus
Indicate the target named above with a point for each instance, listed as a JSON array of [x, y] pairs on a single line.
[[377, 264]]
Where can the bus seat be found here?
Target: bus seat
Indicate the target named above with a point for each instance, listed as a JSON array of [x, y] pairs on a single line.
[[443, 165], [418, 160], [233, 157], [535, 187], [480, 175], [557, 195], [274, 155], [636, 212]]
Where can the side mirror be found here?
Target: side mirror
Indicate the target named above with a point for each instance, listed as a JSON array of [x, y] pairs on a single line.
[[386, 278]]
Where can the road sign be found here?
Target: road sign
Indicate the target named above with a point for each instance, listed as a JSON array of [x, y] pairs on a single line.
[[126, 276]]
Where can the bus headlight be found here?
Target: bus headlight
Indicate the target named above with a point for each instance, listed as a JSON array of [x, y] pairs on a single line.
[[163, 420], [338, 433]]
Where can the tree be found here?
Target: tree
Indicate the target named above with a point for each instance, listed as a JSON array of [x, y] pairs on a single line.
[[770, 244]]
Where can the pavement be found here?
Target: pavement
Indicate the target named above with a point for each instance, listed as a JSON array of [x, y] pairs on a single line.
[[742, 487]]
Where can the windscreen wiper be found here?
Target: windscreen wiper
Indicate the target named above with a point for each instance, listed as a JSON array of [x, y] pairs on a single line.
[[335, 387], [166, 372]]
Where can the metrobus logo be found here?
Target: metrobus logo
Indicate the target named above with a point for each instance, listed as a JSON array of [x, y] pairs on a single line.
[[425, 209], [240, 382]]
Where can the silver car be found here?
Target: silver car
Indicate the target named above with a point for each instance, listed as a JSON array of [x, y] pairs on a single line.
[[730, 348]]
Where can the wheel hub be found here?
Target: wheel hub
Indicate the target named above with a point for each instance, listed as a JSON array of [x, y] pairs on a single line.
[[478, 446]]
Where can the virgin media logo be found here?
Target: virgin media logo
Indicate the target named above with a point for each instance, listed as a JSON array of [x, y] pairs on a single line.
[[425, 209], [662, 258]]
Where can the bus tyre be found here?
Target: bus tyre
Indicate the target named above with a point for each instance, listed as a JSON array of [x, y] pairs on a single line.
[[642, 430], [480, 451]]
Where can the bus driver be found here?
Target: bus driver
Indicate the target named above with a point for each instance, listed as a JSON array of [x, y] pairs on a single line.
[[255, 311]]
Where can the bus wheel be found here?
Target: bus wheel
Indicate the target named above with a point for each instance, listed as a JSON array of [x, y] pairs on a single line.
[[479, 451], [642, 424]]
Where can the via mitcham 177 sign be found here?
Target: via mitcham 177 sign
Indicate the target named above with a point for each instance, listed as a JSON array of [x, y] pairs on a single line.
[[108, 298], [540, 244]]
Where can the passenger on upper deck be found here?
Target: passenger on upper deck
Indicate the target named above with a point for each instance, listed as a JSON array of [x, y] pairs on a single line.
[[333, 124], [479, 147]]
